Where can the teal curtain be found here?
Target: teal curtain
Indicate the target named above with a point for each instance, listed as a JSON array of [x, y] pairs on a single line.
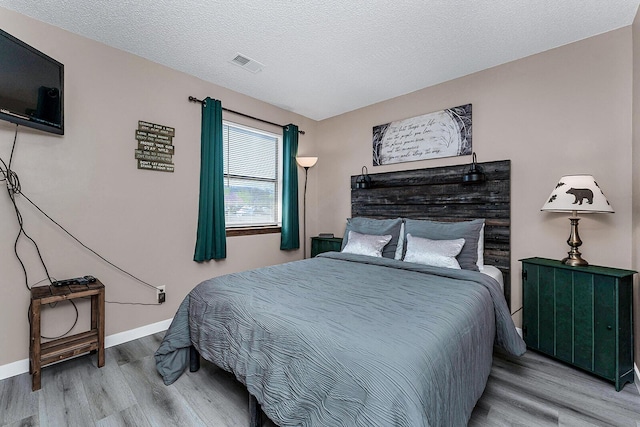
[[211, 241], [290, 235]]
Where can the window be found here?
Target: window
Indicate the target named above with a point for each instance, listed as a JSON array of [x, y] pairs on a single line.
[[252, 177]]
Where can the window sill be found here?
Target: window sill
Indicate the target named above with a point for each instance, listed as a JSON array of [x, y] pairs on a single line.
[[248, 231]]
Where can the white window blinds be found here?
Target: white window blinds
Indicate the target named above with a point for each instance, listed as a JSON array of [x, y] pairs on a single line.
[[252, 173]]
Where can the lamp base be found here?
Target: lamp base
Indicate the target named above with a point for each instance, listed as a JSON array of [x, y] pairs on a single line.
[[575, 257], [575, 260]]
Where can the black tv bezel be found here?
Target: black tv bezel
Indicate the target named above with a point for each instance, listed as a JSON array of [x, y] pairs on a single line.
[[18, 119]]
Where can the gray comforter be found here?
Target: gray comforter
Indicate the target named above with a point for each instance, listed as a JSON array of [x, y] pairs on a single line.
[[348, 340]]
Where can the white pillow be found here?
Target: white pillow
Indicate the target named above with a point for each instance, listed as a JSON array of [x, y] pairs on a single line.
[[366, 244], [480, 262], [400, 247], [438, 253]]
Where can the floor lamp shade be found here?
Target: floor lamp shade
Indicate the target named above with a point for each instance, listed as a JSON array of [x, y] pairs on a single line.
[[306, 162], [577, 194]]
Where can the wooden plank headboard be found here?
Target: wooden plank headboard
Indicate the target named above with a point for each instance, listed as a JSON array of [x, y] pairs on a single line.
[[438, 194]]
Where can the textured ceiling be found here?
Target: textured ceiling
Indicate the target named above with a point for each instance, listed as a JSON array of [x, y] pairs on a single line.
[[324, 58]]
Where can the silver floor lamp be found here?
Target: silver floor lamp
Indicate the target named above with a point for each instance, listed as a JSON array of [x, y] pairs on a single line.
[[306, 163]]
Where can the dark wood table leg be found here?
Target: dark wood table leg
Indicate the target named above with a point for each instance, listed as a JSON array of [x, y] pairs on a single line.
[[34, 356], [94, 317], [100, 326]]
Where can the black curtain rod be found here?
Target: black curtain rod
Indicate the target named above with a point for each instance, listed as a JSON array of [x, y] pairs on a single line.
[[201, 101]]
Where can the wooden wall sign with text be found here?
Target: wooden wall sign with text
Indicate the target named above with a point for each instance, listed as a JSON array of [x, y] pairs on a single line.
[[155, 146]]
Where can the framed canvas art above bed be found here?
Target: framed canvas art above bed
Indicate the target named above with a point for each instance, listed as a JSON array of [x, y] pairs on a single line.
[[443, 133]]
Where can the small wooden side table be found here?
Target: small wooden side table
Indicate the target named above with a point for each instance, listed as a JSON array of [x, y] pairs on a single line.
[[42, 354]]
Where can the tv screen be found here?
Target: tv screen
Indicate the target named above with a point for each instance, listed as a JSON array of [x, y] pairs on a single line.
[[31, 86]]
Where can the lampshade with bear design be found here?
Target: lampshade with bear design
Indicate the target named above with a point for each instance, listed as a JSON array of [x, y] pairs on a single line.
[[577, 194]]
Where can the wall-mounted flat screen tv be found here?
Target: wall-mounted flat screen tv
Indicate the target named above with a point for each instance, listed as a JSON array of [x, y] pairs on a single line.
[[31, 86]]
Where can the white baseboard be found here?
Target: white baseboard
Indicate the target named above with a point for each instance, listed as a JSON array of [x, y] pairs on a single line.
[[12, 369], [134, 334], [519, 330], [22, 366]]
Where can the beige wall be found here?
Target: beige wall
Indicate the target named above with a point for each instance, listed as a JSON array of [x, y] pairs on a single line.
[[564, 111], [143, 221]]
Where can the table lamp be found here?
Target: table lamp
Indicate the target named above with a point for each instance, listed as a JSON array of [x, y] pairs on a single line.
[[577, 194]]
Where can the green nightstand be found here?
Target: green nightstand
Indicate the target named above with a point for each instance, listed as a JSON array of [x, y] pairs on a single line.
[[580, 315], [325, 244]]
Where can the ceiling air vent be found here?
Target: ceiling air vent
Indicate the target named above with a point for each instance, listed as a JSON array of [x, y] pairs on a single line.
[[247, 63]]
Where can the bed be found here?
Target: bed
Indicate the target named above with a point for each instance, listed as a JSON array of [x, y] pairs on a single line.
[[347, 339]]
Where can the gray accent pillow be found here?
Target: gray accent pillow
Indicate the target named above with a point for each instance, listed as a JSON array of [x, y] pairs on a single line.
[[377, 227], [467, 230]]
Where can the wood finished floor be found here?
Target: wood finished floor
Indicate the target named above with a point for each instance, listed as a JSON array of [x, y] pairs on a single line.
[[528, 391]]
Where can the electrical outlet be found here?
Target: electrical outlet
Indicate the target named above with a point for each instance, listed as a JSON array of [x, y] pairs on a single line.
[[161, 294]]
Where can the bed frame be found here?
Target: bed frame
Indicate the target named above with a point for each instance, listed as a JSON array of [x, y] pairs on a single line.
[[439, 195]]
